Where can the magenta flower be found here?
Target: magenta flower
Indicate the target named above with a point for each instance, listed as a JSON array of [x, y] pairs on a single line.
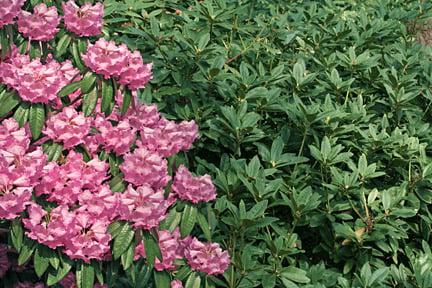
[[176, 284], [41, 25], [205, 257], [84, 21], [144, 207], [36, 82], [106, 58], [9, 9], [136, 74], [193, 189], [145, 168], [168, 138], [68, 127], [169, 245]]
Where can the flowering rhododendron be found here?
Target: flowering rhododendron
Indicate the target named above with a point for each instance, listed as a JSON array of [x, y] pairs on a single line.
[[83, 21], [41, 25], [84, 169], [194, 189], [9, 9], [176, 284]]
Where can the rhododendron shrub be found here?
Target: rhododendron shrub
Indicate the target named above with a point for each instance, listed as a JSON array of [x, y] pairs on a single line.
[[91, 187]]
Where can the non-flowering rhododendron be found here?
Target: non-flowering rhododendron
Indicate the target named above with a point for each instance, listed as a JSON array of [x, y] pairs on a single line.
[[193, 189], [9, 9], [41, 25], [83, 21], [205, 257]]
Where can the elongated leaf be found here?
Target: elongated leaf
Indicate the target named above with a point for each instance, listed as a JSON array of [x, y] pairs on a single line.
[[27, 249], [122, 241], [107, 97], [62, 45], [188, 221], [37, 119], [127, 99], [89, 102], [22, 113], [76, 56], [17, 234], [205, 227], [41, 260], [8, 101], [68, 89], [162, 279], [127, 257], [86, 276], [151, 247]]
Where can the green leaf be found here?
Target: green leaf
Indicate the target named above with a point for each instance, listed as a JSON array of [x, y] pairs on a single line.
[[122, 241], [162, 279], [295, 274], [57, 274], [27, 249], [194, 281], [89, 102], [62, 45], [85, 276], [87, 83], [69, 89], [107, 97], [127, 99], [22, 113], [17, 234], [41, 260], [127, 258], [37, 119], [188, 221], [151, 247], [205, 227], [8, 101]]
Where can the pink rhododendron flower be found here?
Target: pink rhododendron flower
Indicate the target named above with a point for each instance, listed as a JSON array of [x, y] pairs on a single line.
[[144, 207], [90, 238], [136, 74], [169, 245], [14, 202], [205, 257], [194, 189], [142, 116], [145, 168], [117, 139], [68, 281], [14, 141], [84, 21], [9, 9], [106, 58], [36, 82], [168, 137], [101, 203], [139, 251], [111, 60], [50, 231], [176, 284], [4, 260], [64, 183], [69, 127], [41, 25]]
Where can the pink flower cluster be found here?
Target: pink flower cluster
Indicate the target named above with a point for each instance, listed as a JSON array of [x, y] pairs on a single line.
[[35, 81], [106, 58], [204, 257], [193, 189], [9, 9], [20, 169], [84, 21], [41, 25]]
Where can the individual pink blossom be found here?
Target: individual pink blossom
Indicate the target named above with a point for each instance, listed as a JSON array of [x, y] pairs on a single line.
[[14, 202], [41, 25], [101, 203], [90, 238], [106, 58], [169, 245], [9, 9], [205, 257], [68, 127], [168, 138], [136, 74], [139, 251], [30, 166], [4, 260], [85, 21], [144, 207], [145, 168], [14, 141], [118, 138], [176, 284], [193, 189], [34, 81]]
